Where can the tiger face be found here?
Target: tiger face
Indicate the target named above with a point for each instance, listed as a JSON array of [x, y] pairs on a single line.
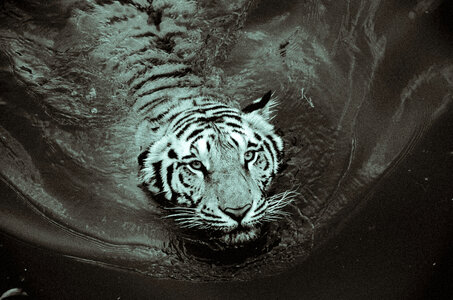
[[213, 166]]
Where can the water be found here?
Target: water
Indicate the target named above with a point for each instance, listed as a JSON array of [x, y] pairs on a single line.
[[357, 88]]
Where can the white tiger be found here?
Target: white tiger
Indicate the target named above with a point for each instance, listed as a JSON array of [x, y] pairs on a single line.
[[210, 161]]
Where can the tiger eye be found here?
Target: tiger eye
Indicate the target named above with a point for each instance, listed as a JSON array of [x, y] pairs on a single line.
[[196, 164], [249, 155]]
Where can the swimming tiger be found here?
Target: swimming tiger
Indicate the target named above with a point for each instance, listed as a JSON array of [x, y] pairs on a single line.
[[209, 160]]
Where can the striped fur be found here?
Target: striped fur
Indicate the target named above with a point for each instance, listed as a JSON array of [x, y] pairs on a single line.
[[211, 161]]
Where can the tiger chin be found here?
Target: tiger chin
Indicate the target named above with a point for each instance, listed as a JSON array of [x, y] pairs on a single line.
[[212, 165]]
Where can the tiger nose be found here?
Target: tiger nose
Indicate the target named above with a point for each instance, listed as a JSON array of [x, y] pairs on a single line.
[[237, 213]]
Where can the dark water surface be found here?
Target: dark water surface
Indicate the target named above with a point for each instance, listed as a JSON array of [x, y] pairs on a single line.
[[365, 91], [389, 249]]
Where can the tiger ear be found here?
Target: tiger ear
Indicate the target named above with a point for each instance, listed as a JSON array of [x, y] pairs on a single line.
[[262, 106]]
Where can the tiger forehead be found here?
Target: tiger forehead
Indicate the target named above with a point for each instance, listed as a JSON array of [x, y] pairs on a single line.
[[217, 146], [215, 153], [208, 113]]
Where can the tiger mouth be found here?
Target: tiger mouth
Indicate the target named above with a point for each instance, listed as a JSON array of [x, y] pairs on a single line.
[[240, 236]]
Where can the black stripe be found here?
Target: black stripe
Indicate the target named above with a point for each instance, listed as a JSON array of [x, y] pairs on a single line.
[[213, 106], [235, 117], [174, 197], [162, 115], [212, 119], [237, 131], [172, 154], [170, 176], [188, 156], [193, 149], [269, 149], [179, 84], [260, 206], [279, 153], [211, 215], [187, 98], [141, 158], [197, 138], [145, 34], [156, 119], [172, 117], [154, 16], [257, 136], [195, 132], [137, 75], [190, 199], [191, 115], [181, 179], [153, 104], [234, 125], [195, 201], [157, 166], [144, 49], [117, 19], [235, 142], [222, 110], [173, 34], [199, 116], [185, 127], [165, 43], [175, 74], [250, 145]]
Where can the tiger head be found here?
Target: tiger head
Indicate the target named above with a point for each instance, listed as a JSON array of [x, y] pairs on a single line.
[[213, 166]]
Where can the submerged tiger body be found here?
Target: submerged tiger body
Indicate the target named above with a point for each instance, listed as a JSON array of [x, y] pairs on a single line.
[[209, 160]]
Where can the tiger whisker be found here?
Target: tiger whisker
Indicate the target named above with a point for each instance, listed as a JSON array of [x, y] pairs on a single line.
[[284, 195], [177, 215], [190, 224], [278, 207], [281, 201], [272, 217], [276, 203], [194, 225], [274, 209], [280, 204], [287, 192], [276, 212], [181, 208], [187, 220], [278, 216]]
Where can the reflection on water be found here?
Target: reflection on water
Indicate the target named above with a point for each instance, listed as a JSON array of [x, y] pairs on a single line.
[[357, 87]]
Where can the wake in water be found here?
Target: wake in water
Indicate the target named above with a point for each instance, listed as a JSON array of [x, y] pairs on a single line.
[[71, 74]]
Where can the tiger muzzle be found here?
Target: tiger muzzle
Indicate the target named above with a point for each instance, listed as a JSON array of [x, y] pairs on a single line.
[[237, 213]]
